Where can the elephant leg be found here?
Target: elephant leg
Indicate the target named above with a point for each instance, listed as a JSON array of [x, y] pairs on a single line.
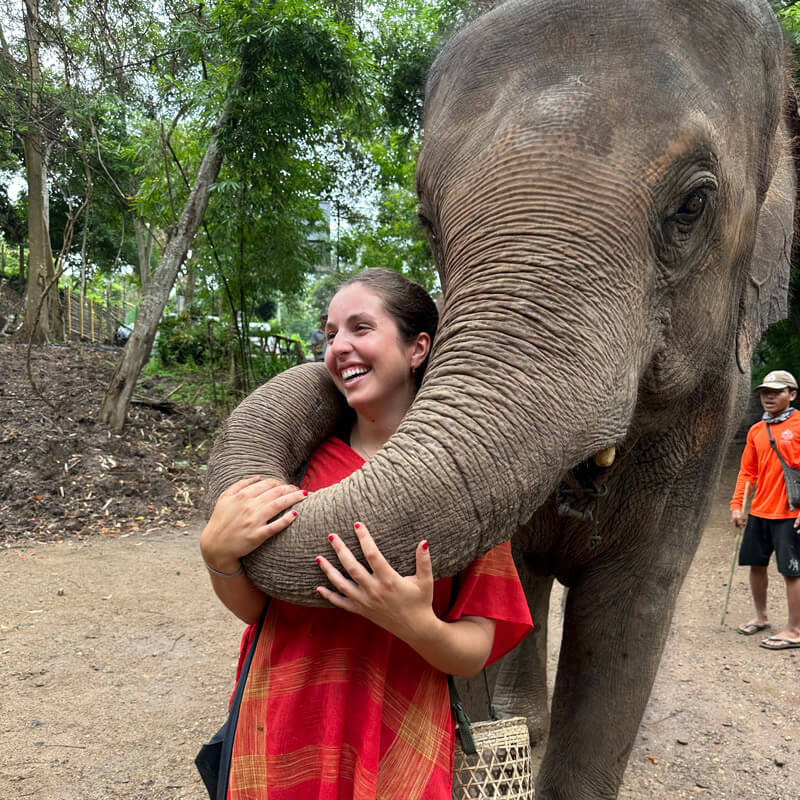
[[521, 683], [616, 624]]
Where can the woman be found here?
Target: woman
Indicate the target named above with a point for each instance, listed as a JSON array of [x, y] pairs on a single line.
[[352, 701]]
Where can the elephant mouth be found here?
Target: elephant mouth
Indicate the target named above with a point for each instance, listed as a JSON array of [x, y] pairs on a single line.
[[582, 487]]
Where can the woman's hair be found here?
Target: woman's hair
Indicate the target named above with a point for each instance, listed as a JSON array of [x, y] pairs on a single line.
[[406, 302]]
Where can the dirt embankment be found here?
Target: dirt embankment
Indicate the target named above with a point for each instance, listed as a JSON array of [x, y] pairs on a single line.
[[65, 475]]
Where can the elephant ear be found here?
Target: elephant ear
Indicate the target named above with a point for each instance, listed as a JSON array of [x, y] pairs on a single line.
[[766, 290]]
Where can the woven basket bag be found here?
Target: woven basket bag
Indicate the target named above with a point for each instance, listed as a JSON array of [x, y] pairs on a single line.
[[499, 767]]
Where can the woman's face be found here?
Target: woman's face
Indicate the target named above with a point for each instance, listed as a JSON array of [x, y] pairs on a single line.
[[369, 362]]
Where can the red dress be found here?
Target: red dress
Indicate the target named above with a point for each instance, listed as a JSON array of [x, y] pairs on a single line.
[[336, 708]]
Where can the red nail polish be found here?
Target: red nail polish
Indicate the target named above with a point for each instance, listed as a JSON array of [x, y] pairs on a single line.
[[318, 590], [425, 545], [318, 559], [357, 525], [330, 538], [294, 513], [305, 493]]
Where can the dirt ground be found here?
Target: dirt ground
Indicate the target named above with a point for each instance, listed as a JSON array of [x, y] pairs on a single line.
[[116, 663], [66, 475]]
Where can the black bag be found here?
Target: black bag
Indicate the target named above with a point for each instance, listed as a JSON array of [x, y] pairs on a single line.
[[791, 476], [213, 762]]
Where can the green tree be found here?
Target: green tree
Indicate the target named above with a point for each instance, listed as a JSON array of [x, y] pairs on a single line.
[[288, 76]]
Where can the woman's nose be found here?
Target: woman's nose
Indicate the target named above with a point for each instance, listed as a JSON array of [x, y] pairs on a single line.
[[340, 343]]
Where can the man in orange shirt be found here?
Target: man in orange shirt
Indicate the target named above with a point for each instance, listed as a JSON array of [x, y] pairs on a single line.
[[772, 524]]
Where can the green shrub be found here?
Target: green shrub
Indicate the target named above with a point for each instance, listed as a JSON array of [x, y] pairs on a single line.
[[184, 341]]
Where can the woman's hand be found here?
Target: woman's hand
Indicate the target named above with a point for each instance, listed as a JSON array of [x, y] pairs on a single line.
[[402, 606], [241, 520]]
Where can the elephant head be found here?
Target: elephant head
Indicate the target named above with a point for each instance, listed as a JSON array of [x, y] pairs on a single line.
[[608, 190]]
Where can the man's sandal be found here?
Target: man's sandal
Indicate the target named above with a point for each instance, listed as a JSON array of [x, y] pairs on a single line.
[[749, 628], [780, 643]]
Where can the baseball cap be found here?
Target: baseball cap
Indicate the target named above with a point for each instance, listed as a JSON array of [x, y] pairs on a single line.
[[778, 379]]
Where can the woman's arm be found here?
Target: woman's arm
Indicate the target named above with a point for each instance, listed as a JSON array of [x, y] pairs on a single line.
[[239, 524], [404, 606]]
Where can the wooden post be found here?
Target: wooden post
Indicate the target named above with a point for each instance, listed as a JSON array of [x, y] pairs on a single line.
[[83, 303], [91, 316], [69, 312]]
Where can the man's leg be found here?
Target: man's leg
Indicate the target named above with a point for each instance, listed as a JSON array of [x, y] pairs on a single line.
[[759, 581], [793, 597], [755, 552], [787, 555]]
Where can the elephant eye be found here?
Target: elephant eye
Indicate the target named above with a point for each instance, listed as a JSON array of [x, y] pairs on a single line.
[[692, 207], [426, 225]]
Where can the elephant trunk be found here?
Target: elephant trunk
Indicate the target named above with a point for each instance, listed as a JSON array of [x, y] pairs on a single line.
[[498, 420]]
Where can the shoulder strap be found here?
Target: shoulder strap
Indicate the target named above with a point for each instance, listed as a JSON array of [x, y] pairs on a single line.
[[462, 720], [463, 723], [775, 446], [233, 714]]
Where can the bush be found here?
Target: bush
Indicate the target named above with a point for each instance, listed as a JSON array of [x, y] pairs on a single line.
[[181, 340]]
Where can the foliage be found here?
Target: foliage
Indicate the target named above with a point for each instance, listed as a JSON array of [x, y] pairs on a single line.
[[779, 348], [182, 340], [325, 98]]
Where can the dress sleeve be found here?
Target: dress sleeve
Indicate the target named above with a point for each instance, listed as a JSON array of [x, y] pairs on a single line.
[[490, 587]]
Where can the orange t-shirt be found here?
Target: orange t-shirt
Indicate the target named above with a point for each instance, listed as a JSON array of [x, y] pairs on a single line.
[[761, 468]]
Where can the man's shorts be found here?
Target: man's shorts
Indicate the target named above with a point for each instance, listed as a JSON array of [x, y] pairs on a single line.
[[763, 536]]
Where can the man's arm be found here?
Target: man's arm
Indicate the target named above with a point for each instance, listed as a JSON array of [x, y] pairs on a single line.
[[748, 473]]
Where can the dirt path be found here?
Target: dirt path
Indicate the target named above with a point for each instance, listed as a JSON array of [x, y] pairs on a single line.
[[116, 662]]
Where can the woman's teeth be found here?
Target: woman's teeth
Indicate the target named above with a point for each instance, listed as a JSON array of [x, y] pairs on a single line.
[[353, 372]]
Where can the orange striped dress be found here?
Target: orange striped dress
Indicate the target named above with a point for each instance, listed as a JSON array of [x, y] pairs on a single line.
[[336, 708]]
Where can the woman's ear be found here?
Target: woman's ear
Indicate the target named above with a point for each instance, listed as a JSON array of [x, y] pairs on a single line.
[[421, 346]]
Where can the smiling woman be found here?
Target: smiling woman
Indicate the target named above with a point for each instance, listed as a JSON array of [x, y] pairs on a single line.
[[374, 664], [378, 347]]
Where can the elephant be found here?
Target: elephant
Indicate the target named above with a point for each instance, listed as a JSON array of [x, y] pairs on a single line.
[[608, 188]]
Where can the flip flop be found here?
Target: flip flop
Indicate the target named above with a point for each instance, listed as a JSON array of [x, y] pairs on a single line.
[[783, 644], [749, 628]]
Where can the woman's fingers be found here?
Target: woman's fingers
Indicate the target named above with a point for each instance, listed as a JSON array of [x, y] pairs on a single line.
[[239, 485], [277, 525], [268, 487], [354, 568], [275, 501], [337, 600], [378, 564], [424, 567], [338, 581]]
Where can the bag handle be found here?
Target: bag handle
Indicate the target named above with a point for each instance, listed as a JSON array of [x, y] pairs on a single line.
[[463, 722]]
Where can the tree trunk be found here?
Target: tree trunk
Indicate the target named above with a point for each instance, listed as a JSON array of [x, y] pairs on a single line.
[[190, 283], [41, 270], [144, 249], [114, 407]]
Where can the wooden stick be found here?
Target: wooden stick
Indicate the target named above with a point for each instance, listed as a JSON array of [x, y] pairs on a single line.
[[739, 533]]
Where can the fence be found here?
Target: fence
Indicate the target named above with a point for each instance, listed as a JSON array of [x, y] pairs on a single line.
[[87, 319]]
